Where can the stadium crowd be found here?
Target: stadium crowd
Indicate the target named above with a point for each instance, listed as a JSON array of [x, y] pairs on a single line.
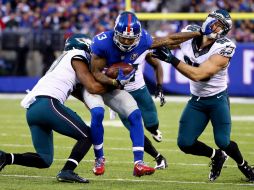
[[91, 17], [95, 16]]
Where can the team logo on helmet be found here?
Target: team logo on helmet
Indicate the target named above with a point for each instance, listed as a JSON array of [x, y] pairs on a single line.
[[224, 18], [127, 26]]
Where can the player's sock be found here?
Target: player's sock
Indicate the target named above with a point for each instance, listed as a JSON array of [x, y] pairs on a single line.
[[97, 130], [137, 134], [149, 148], [198, 148], [233, 151], [77, 154], [28, 159]]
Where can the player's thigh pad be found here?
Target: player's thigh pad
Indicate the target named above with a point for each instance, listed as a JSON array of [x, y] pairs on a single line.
[[92, 100], [120, 101]]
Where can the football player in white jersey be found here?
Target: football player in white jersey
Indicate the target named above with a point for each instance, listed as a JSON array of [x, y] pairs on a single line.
[[206, 61], [46, 111]]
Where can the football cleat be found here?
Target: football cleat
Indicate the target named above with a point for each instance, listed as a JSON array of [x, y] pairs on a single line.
[[70, 177], [141, 169], [217, 164], [99, 166], [158, 136], [248, 171], [161, 163], [2, 160]]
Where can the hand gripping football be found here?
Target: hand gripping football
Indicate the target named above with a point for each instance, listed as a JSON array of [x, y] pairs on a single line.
[[112, 71]]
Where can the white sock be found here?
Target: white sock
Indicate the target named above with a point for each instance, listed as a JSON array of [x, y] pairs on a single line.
[[214, 151], [242, 163], [12, 158]]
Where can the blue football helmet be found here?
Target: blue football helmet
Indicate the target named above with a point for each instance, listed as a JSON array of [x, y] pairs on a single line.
[[78, 41], [127, 26], [224, 18]]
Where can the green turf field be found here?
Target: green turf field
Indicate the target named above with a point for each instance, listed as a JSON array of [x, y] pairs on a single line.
[[184, 171]]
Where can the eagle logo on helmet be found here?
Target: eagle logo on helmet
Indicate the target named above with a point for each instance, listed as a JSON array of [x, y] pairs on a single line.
[[78, 41], [224, 18]]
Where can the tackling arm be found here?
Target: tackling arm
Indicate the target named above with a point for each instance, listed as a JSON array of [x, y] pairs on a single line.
[[98, 65], [86, 78], [213, 65]]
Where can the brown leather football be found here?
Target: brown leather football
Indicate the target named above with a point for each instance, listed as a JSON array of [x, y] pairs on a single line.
[[112, 71]]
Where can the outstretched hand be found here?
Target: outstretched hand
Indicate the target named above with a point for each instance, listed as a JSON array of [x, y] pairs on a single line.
[[163, 53]]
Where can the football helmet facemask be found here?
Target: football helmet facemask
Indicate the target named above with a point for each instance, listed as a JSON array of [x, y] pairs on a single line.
[[78, 41], [224, 18], [127, 28]]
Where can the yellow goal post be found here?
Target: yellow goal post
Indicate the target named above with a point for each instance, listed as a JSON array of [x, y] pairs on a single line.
[[183, 16]]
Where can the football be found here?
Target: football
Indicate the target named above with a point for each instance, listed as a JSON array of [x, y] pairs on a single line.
[[112, 71]]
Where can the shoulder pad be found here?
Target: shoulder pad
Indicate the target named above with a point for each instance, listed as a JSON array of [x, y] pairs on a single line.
[[226, 47]]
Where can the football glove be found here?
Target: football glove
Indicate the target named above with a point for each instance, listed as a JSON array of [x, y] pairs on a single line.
[[159, 93], [124, 79], [163, 53]]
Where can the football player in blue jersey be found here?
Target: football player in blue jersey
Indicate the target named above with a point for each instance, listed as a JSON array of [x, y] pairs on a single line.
[[46, 111], [206, 61], [124, 44], [139, 91]]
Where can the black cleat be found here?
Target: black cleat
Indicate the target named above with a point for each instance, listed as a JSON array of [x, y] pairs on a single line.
[[248, 171], [161, 163], [70, 177], [217, 164], [2, 160]]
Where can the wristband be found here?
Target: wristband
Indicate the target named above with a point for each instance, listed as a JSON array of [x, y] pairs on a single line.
[[174, 61]]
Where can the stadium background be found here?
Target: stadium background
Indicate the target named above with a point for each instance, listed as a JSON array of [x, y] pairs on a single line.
[[33, 32], [184, 171]]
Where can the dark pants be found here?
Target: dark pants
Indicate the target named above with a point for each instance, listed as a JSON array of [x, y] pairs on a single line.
[[47, 114], [196, 115]]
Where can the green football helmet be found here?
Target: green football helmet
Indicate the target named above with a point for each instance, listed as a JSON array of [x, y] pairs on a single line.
[[78, 41]]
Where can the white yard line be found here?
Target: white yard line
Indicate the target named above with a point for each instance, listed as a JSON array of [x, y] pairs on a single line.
[[137, 180], [242, 100]]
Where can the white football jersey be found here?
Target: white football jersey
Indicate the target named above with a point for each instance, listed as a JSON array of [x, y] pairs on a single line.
[[59, 81], [139, 78], [192, 56]]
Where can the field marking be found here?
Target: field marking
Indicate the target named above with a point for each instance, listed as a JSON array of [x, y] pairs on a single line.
[[240, 100], [117, 122], [138, 180], [242, 118], [165, 140]]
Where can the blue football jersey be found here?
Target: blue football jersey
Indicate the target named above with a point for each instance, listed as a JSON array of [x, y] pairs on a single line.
[[104, 46]]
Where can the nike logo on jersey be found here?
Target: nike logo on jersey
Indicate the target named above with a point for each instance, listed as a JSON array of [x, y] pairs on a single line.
[[219, 96]]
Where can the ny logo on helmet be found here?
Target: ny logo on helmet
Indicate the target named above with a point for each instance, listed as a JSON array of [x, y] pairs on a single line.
[[128, 32]]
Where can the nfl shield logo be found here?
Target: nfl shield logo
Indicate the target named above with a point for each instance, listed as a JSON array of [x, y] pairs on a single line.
[[134, 56]]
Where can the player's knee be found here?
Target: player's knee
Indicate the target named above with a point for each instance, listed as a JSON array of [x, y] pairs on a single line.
[[222, 141], [135, 116], [97, 114], [47, 160], [184, 144], [186, 149]]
